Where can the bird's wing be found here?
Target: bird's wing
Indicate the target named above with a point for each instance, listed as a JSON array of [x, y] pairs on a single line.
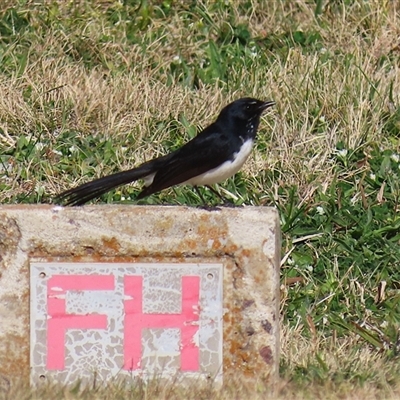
[[205, 152]]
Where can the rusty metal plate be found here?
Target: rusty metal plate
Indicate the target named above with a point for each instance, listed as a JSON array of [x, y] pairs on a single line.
[[97, 321]]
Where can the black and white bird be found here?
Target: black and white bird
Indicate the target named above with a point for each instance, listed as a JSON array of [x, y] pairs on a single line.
[[215, 154]]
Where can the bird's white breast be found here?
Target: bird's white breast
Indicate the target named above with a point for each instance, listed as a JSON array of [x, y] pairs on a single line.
[[226, 169]]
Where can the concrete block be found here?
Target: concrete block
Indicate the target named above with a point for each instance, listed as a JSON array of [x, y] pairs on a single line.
[[231, 254]]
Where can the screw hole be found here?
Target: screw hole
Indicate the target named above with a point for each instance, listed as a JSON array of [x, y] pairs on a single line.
[[42, 377], [42, 275], [210, 276]]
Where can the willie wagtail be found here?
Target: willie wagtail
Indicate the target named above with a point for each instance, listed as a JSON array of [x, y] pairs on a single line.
[[215, 154]]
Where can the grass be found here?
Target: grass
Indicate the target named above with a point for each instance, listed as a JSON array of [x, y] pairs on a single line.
[[92, 87]]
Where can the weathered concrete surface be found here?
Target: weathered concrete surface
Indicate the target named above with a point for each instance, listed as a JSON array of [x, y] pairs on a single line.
[[245, 240]]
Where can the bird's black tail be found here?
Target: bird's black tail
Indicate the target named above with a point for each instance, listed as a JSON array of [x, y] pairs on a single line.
[[88, 191]]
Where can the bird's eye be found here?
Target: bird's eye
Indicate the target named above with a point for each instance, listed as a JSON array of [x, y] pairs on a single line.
[[247, 107]]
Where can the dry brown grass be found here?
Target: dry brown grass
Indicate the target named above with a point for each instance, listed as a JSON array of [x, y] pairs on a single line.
[[96, 101], [89, 101], [297, 350]]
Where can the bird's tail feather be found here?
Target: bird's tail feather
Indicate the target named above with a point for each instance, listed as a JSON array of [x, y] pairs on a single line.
[[88, 191]]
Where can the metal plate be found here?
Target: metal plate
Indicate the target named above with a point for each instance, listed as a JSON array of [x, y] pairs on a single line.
[[105, 320]]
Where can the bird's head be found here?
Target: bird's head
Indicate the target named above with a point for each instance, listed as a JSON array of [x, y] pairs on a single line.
[[245, 109]]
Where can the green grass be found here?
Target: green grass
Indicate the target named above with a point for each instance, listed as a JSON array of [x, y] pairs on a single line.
[[89, 88]]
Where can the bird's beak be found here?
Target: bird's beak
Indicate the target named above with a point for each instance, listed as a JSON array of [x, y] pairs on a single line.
[[266, 104]]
